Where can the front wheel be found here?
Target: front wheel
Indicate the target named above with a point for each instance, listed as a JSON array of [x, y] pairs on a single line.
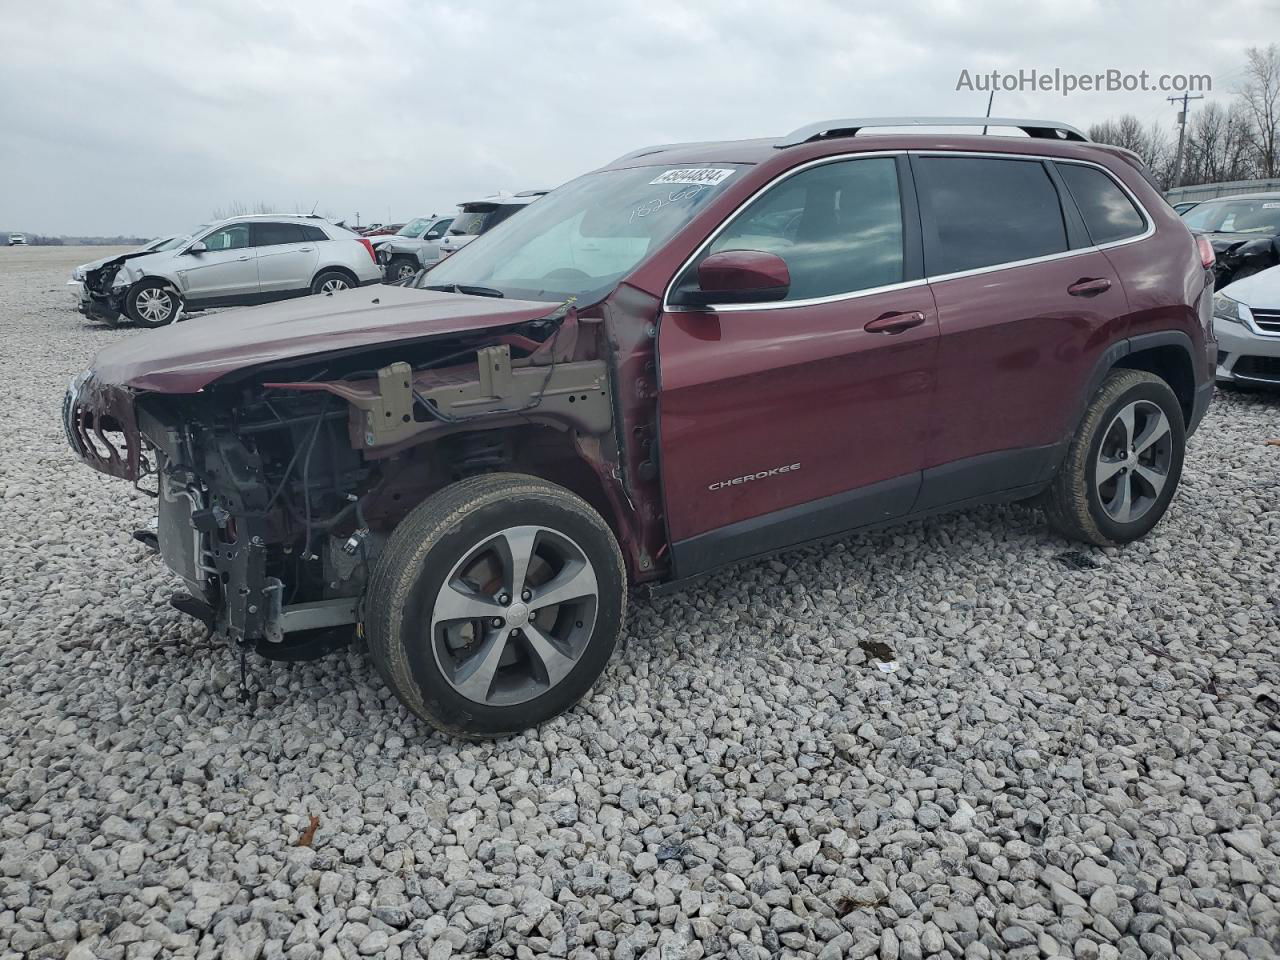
[[496, 605], [1124, 463], [400, 268], [152, 303]]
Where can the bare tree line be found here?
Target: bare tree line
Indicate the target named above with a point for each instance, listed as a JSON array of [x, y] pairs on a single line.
[[238, 208], [1239, 140]]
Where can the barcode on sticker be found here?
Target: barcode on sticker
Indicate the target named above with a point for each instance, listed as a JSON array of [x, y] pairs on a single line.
[[710, 176]]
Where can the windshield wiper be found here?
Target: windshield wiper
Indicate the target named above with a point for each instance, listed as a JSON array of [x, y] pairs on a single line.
[[471, 289]]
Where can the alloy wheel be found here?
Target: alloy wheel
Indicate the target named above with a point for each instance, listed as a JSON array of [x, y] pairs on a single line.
[[334, 285], [155, 306], [514, 615], [1134, 461]]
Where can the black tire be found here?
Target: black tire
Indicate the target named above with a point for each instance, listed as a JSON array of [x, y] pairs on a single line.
[[429, 549], [145, 303], [1073, 502], [332, 281], [400, 267]]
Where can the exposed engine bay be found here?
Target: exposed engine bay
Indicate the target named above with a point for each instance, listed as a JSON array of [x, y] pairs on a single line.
[[277, 488], [105, 288]]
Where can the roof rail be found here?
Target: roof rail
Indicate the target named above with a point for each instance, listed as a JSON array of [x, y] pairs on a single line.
[[830, 129]]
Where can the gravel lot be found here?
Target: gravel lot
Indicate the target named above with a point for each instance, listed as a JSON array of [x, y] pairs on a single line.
[[1076, 762]]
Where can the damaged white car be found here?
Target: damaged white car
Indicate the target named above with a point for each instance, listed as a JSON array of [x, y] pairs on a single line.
[[238, 261]]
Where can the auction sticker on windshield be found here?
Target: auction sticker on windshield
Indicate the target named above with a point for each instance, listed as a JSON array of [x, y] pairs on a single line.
[[704, 175]]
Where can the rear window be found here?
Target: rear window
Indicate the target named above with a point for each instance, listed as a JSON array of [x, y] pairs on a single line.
[[1108, 212], [985, 212], [312, 233], [470, 223], [274, 234]]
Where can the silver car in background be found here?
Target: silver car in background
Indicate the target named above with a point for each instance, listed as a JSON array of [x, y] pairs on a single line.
[[412, 247], [1246, 319], [237, 261]]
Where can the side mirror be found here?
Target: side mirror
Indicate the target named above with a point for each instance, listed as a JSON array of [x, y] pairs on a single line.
[[198, 247], [737, 276]]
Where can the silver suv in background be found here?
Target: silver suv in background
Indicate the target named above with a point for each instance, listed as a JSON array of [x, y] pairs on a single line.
[[241, 260], [481, 216], [412, 247]]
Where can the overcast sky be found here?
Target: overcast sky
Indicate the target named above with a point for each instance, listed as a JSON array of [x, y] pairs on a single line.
[[146, 116]]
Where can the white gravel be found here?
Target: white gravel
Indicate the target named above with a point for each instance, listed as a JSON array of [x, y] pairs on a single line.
[[1068, 762]]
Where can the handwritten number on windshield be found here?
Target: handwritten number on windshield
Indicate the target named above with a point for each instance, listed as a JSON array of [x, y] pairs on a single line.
[[649, 207]]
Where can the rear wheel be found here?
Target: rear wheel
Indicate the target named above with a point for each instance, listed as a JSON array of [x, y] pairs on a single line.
[[496, 604], [331, 281], [152, 303], [1124, 463]]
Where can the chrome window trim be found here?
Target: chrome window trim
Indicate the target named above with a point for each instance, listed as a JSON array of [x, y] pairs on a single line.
[[668, 307]]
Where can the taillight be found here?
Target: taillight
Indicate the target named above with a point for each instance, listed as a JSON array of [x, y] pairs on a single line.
[[368, 245], [1206, 250]]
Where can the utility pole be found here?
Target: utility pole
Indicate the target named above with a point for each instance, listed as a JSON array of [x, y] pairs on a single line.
[[1182, 133]]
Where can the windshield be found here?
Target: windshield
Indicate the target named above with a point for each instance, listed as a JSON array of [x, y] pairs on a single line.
[[1236, 216], [414, 227], [171, 244], [582, 238]]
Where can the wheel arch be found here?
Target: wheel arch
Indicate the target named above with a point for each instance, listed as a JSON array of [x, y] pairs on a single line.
[[336, 268], [558, 456], [1168, 355]]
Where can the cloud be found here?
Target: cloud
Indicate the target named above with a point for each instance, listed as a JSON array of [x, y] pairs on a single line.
[[144, 117]]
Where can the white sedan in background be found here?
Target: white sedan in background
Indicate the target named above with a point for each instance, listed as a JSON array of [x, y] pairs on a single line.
[[1246, 318]]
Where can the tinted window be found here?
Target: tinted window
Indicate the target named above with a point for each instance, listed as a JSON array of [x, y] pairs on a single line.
[[228, 238], [1108, 212], [438, 230], [987, 212], [273, 234], [312, 233], [838, 226], [469, 223]]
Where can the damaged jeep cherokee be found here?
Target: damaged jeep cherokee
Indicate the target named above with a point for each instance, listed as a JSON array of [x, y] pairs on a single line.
[[692, 356]]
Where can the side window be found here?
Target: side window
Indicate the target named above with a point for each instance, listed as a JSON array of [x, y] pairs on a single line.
[[436, 232], [274, 234], [1108, 212], [228, 238], [312, 233], [981, 212], [838, 226]]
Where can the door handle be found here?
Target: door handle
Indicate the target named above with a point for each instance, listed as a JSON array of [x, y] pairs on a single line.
[[241, 259], [304, 249], [1088, 287], [892, 323]]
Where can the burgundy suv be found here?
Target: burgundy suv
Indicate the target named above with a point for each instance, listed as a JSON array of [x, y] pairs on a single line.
[[692, 356]]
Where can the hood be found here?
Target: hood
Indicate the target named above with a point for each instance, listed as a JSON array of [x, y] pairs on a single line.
[[118, 259], [187, 357], [1221, 242], [1261, 290]]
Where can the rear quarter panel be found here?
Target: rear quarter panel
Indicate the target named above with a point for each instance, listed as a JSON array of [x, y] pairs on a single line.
[[1166, 284]]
